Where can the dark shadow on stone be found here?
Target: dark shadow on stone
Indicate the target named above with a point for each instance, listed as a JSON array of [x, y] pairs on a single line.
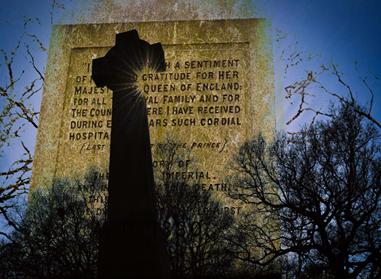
[[132, 245]]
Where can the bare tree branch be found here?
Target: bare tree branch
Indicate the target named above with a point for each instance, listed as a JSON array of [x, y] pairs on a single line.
[[300, 92], [32, 62], [319, 193]]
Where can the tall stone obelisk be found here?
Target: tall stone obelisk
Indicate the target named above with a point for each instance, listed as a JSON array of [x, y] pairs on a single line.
[[132, 245]]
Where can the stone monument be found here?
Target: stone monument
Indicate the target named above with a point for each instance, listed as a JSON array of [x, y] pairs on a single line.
[[217, 90], [130, 244]]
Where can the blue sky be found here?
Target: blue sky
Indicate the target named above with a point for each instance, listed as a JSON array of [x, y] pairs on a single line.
[[333, 31], [339, 32], [344, 31]]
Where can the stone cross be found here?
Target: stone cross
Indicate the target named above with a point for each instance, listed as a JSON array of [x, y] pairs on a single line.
[[132, 245]]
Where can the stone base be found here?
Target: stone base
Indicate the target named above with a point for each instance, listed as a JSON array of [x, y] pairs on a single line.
[[133, 249]]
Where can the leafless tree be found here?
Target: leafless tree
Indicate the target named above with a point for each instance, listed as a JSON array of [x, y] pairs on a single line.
[[318, 197], [57, 235], [311, 92], [192, 218], [21, 85], [15, 115]]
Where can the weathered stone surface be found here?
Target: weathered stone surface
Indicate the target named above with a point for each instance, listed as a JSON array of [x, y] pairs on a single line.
[[223, 65]]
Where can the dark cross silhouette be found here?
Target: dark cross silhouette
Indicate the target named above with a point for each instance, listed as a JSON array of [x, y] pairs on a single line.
[[131, 245]]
